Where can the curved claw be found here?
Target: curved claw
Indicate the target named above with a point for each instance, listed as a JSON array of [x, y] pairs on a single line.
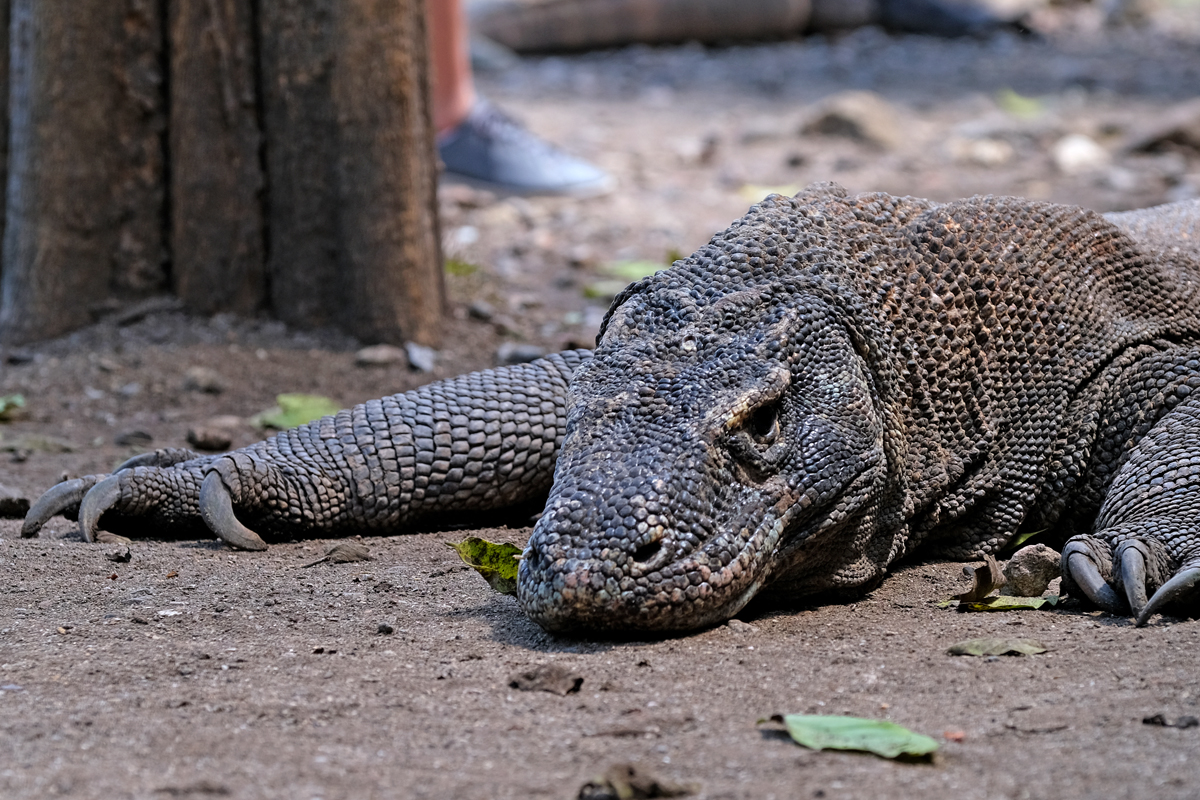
[[100, 498], [57, 499], [1180, 585], [1131, 561], [216, 507], [1087, 577]]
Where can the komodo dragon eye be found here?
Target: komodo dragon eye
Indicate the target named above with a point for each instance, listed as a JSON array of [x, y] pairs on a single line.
[[764, 424]]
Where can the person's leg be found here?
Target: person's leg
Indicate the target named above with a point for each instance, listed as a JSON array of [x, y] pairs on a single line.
[[449, 52], [480, 144]]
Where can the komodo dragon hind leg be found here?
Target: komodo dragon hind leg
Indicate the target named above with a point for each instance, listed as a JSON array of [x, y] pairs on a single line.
[[1145, 551], [483, 441]]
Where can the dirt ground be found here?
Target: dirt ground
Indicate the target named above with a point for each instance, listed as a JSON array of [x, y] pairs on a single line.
[[192, 670]]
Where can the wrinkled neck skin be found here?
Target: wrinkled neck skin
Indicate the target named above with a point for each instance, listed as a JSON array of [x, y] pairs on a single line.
[[715, 444]]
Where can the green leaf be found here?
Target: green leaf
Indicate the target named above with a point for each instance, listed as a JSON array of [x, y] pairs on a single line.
[[604, 290], [460, 268], [991, 646], [1019, 105], [632, 270], [880, 737], [496, 562], [1006, 603], [1015, 543], [293, 410], [10, 405]]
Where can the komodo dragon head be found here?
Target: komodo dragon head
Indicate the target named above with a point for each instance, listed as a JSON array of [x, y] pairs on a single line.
[[729, 433]]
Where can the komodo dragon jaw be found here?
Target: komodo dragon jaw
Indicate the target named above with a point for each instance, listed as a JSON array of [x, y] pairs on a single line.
[[707, 443]]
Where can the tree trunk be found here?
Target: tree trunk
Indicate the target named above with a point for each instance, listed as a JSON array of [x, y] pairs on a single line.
[[85, 182], [4, 23], [217, 237], [352, 218]]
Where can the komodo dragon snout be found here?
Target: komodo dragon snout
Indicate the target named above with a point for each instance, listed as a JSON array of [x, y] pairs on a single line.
[[714, 445]]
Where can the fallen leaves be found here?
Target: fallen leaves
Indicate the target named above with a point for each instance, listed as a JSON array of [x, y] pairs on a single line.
[[1007, 603], [11, 406], [1029, 572], [343, 553], [292, 410], [883, 738], [992, 646], [496, 562]]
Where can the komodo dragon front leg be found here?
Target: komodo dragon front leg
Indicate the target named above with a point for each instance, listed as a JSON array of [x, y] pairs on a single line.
[[482, 441], [1146, 537]]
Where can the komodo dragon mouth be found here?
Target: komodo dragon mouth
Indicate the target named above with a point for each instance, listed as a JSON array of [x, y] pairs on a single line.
[[826, 385]]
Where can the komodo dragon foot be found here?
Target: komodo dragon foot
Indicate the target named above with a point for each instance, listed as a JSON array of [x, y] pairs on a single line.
[[479, 442], [1147, 535]]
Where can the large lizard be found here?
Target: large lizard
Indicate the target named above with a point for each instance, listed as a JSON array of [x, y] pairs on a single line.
[[824, 387]]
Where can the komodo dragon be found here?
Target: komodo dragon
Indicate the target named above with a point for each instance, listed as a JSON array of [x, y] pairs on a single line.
[[823, 388]]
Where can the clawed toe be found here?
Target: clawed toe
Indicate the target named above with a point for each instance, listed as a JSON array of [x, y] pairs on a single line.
[[1131, 559], [1180, 586], [100, 498], [216, 508], [1079, 566], [65, 496]]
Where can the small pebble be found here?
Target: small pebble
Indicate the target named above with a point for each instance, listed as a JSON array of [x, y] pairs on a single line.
[[1030, 571], [515, 353], [208, 438], [380, 355], [420, 357], [203, 379], [384, 629], [133, 439]]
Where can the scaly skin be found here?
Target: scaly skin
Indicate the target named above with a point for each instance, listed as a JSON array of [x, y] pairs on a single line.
[[827, 385]]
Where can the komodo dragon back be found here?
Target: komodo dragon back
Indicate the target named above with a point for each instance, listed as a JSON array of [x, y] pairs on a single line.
[[825, 386]]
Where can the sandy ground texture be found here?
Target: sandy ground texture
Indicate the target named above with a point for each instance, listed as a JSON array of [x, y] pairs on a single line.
[[191, 670]]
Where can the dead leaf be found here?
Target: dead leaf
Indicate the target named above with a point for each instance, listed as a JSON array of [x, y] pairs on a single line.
[[987, 578], [342, 553], [992, 646], [1007, 603]]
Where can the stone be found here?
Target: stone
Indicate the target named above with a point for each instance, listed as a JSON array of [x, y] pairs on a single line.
[[517, 353], [1076, 154], [862, 116], [1030, 571], [380, 355], [209, 438], [13, 504], [420, 357], [203, 379]]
